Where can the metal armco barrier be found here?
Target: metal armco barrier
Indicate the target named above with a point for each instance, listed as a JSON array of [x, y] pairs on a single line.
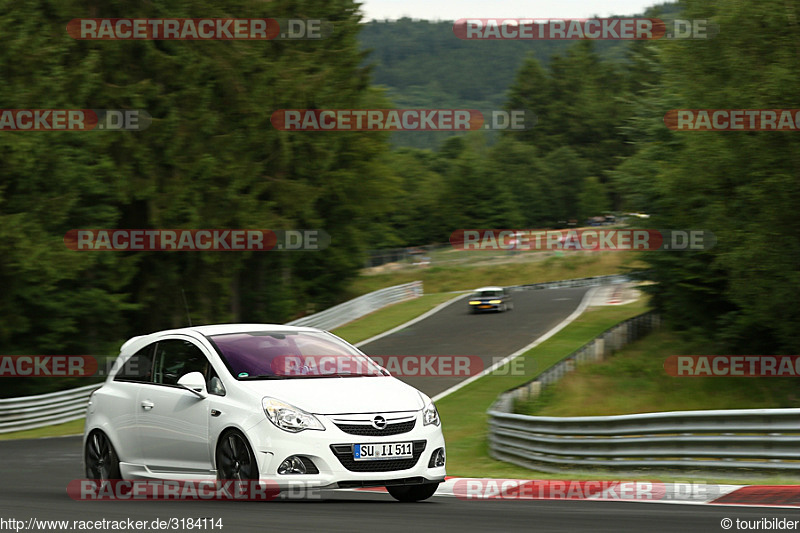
[[597, 349], [745, 440], [31, 412], [578, 282], [363, 305]]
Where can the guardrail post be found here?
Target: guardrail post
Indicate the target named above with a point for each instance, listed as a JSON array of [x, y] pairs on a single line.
[[599, 349]]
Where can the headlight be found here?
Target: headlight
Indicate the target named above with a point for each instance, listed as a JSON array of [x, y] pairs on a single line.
[[474, 302], [495, 301], [430, 415], [288, 417]]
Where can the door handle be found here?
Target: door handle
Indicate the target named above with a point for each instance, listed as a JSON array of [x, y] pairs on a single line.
[[147, 405]]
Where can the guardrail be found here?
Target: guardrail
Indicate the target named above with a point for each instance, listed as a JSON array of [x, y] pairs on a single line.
[[31, 412], [363, 305], [577, 282], [761, 440], [745, 440], [595, 350]]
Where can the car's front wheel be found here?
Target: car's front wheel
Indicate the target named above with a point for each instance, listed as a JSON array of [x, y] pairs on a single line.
[[100, 458], [235, 458], [412, 493]]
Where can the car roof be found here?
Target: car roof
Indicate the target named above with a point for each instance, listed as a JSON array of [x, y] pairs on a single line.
[[135, 343], [481, 289]]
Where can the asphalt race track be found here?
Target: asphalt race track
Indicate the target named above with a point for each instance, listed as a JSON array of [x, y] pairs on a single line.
[[490, 335], [36, 472]]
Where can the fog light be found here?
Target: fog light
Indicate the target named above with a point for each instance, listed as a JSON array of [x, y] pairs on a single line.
[[292, 465], [437, 459]]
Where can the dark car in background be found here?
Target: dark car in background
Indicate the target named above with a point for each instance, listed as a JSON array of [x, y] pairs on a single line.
[[490, 299]]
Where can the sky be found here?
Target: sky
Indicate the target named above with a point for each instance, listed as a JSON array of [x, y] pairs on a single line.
[[456, 9]]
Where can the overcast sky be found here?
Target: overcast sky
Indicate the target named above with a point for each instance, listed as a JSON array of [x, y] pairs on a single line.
[[456, 9]]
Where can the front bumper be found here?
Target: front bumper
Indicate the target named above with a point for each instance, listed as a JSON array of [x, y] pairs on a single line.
[[485, 307], [331, 453]]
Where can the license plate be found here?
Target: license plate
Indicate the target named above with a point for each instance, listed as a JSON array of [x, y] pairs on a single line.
[[389, 450], [484, 306]]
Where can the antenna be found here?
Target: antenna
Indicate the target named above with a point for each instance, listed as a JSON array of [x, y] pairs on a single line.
[[186, 306]]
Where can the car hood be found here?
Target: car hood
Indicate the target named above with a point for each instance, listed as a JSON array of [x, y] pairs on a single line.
[[329, 396]]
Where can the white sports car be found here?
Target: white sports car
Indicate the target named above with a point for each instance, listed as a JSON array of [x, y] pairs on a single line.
[[217, 402]]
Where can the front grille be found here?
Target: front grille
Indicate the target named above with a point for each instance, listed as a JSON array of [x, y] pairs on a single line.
[[381, 482], [344, 452], [366, 430]]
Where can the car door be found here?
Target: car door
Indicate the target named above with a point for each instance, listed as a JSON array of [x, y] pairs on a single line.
[[122, 407], [173, 422]]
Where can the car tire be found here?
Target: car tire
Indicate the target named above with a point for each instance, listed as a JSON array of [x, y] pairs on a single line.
[[413, 493], [100, 458], [234, 457], [511, 306]]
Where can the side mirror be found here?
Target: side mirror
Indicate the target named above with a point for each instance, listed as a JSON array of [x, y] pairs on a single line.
[[195, 383]]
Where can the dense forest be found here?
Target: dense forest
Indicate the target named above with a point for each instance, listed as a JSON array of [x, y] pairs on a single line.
[[212, 160]]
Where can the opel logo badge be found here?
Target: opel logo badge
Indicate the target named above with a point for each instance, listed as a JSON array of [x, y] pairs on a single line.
[[379, 422]]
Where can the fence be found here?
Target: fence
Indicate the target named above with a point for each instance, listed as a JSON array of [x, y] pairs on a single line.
[[358, 307], [746, 440]]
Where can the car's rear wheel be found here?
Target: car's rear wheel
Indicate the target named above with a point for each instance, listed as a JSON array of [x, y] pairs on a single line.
[[100, 458], [412, 493], [235, 458]]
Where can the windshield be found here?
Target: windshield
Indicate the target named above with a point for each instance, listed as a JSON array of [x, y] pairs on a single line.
[[489, 294], [291, 354]]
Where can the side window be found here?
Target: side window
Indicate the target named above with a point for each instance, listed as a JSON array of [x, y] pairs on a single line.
[[175, 358], [139, 367], [214, 384]]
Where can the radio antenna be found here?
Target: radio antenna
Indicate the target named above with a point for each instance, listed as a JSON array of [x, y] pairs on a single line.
[[186, 306]]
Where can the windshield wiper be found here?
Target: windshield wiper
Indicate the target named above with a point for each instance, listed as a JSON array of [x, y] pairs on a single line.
[[262, 376]]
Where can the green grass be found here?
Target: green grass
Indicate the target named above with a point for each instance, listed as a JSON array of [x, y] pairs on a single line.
[[59, 430], [453, 278], [638, 370], [390, 317], [463, 413]]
